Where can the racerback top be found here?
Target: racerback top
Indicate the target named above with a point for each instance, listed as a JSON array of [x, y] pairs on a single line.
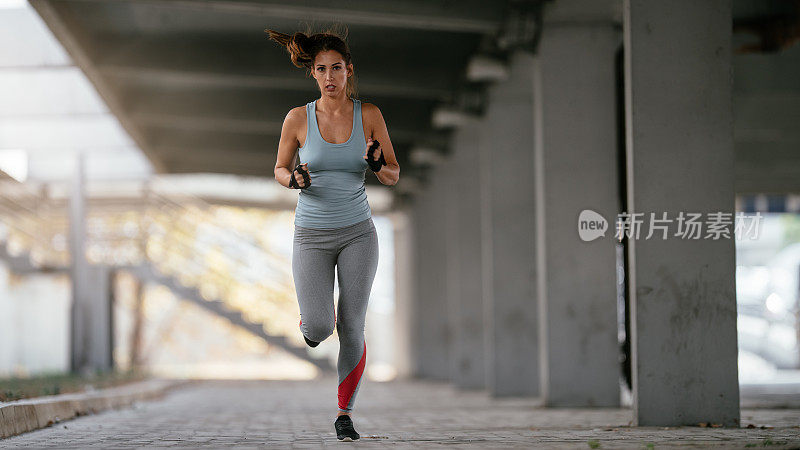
[[336, 197]]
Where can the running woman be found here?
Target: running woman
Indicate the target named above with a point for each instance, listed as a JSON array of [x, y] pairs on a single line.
[[337, 138]]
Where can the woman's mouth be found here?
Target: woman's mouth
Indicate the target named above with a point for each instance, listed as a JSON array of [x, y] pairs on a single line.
[[330, 87]]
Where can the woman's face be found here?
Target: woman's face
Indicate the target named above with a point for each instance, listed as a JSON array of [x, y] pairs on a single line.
[[331, 73]]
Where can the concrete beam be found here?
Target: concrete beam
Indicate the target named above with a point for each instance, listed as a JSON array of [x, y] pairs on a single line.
[[227, 124], [581, 12], [377, 85], [236, 63], [74, 41], [468, 17]]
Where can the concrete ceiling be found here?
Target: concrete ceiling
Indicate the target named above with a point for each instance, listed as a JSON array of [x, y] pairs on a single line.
[[200, 88], [766, 95]]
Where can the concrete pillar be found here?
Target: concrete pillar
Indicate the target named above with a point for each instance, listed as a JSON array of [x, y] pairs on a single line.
[[430, 326], [680, 159], [404, 280], [79, 268], [99, 291], [136, 337], [576, 169], [464, 250], [90, 334], [511, 306]]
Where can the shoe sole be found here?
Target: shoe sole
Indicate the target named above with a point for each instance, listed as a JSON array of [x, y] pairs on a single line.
[[347, 439]]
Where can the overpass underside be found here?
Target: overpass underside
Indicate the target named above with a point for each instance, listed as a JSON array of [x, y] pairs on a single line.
[[523, 131]]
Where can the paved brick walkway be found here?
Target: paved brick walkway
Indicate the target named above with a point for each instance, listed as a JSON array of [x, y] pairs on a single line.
[[397, 414]]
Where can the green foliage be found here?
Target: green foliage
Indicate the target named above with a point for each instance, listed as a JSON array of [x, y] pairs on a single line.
[[19, 388], [791, 227]]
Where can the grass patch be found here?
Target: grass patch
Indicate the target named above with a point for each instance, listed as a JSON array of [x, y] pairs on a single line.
[[768, 441], [12, 389]]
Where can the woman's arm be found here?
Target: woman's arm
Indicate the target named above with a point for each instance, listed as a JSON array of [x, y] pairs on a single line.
[[287, 147], [390, 173]]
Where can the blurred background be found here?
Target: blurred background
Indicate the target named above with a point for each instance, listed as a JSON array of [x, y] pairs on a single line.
[[192, 265], [142, 231]]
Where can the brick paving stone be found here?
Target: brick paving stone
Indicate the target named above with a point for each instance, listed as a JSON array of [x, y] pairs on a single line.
[[401, 414]]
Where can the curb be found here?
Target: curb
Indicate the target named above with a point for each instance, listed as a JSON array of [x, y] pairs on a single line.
[[27, 415]]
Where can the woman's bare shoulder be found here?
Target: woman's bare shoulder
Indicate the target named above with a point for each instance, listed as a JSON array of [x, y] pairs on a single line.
[[296, 115], [370, 109], [371, 115]]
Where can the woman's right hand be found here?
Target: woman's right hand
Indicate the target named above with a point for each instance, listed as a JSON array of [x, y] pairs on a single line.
[[300, 178]]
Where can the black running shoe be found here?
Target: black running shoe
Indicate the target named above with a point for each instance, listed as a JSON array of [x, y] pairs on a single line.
[[310, 342], [344, 429]]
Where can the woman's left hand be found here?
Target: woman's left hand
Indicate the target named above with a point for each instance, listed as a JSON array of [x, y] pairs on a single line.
[[378, 152], [377, 159]]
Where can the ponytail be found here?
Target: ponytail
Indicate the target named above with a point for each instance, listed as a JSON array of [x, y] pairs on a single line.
[[303, 48]]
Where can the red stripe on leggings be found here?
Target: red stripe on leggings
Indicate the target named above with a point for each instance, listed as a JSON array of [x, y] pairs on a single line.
[[348, 386]]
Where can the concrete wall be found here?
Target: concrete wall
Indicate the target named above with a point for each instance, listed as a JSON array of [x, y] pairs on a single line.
[[34, 323]]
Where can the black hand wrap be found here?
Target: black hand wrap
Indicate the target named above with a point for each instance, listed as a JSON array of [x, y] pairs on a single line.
[[375, 165], [306, 179]]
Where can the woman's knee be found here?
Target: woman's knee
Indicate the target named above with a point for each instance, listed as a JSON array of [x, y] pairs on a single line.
[[350, 333], [318, 331]]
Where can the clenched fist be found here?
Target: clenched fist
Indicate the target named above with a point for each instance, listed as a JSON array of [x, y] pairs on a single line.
[[374, 155], [300, 178]]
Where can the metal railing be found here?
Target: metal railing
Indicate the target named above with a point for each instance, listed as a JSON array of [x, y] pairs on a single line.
[[180, 236]]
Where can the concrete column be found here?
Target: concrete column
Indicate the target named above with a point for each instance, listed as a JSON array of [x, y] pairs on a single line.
[[136, 336], [576, 169], [99, 290], [511, 306], [465, 241], [680, 159], [404, 280], [430, 325], [91, 333], [79, 268]]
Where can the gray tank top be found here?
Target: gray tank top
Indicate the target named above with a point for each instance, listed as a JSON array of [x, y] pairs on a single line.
[[336, 197]]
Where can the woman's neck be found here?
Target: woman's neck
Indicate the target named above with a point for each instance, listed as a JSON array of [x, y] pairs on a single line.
[[333, 105]]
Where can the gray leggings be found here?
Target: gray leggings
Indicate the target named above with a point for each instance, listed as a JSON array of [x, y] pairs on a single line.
[[354, 251]]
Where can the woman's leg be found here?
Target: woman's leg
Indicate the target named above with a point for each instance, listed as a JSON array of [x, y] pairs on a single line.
[[313, 261], [356, 264]]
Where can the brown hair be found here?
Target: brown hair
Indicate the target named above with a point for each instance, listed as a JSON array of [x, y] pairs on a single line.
[[304, 47]]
